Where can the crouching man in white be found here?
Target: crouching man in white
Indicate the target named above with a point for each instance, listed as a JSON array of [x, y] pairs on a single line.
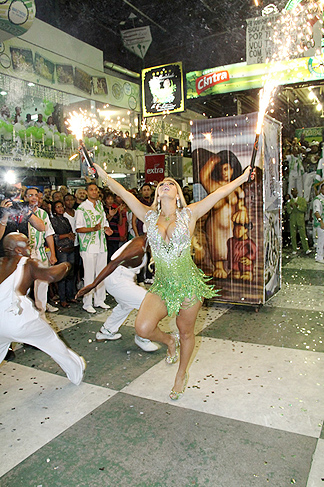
[[119, 276], [19, 319]]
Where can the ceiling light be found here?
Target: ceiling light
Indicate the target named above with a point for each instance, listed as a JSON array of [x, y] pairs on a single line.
[[118, 175]]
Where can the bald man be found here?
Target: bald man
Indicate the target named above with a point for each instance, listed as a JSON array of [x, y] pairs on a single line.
[[19, 319], [119, 276]]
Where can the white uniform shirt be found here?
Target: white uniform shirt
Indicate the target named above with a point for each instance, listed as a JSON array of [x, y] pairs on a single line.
[[88, 215]]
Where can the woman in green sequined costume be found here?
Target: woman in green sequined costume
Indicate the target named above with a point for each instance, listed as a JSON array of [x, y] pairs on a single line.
[[179, 286]]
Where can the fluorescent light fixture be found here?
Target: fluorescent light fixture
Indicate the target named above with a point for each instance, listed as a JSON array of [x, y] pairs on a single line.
[[117, 175]]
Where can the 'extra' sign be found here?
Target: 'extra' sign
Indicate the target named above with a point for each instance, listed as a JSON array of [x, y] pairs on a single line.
[[155, 170], [210, 79], [154, 167]]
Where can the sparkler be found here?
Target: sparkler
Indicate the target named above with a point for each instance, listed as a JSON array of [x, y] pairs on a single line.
[[292, 35], [77, 123]]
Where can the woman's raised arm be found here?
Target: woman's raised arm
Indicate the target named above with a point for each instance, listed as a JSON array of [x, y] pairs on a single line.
[[131, 201], [202, 207]]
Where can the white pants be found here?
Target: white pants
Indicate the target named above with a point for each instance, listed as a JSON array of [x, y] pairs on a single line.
[[121, 285], [295, 181], [38, 333], [320, 244], [93, 265], [309, 179], [40, 287]]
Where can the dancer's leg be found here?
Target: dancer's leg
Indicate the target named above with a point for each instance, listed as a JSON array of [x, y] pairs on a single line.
[[186, 324], [153, 310]]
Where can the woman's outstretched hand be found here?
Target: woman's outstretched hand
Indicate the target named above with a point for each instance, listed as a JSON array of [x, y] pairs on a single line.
[[249, 174], [101, 172]]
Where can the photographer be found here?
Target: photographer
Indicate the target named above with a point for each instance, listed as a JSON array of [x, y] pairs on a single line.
[[15, 214]]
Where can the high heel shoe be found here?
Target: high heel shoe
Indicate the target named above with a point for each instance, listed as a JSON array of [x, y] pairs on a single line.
[[172, 359], [175, 395]]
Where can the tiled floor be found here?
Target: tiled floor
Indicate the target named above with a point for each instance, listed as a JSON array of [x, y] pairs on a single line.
[[252, 414]]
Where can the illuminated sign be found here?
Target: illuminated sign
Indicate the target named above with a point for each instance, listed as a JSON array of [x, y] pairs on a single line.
[[206, 81], [162, 89], [242, 76]]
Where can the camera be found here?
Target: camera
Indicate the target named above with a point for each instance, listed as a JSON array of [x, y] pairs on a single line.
[[10, 192]]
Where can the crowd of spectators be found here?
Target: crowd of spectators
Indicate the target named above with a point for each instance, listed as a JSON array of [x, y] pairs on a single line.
[[303, 175], [109, 137], [50, 217], [141, 141], [28, 122]]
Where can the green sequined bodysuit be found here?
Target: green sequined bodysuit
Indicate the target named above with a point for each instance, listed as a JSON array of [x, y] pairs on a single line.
[[176, 276]]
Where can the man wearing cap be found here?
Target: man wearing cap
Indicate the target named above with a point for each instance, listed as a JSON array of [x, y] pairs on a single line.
[[296, 208], [318, 213], [310, 166]]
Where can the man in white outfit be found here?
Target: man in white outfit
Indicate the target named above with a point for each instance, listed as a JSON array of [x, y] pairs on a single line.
[[119, 277], [37, 241], [92, 226], [296, 169], [19, 320], [310, 167], [318, 212]]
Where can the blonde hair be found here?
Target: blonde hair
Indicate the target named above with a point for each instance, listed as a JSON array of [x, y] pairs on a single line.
[[183, 203]]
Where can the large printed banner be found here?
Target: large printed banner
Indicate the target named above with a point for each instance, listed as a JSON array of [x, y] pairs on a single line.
[[22, 60], [228, 244], [154, 167], [241, 76]]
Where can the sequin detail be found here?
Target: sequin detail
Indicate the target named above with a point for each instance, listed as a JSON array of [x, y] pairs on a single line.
[[177, 280]]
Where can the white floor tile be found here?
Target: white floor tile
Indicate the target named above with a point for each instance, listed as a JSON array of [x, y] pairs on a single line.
[[316, 476], [269, 386], [36, 407], [60, 322]]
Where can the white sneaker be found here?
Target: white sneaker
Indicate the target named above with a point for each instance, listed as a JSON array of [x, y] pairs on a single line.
[[102, 305], [319, 260], [148, 281], [105, 334], [89, 309], [83, 364], [50, 308], [145, 344], [308, 251]]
